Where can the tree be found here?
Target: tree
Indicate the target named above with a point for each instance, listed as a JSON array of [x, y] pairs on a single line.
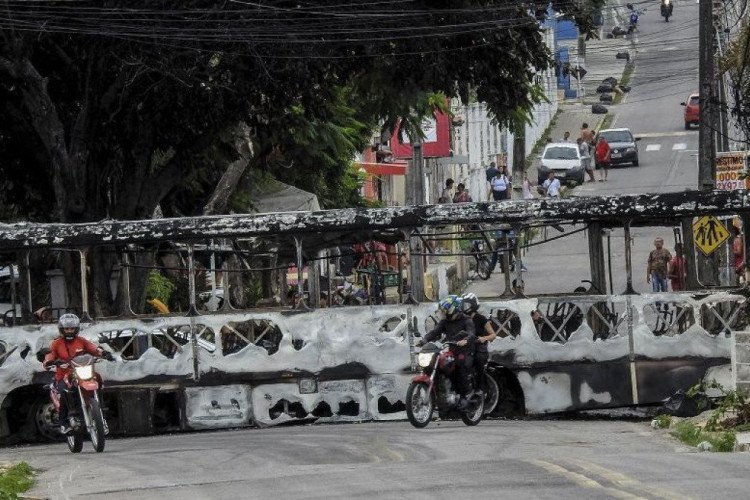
[[112, 107], [737, 63]]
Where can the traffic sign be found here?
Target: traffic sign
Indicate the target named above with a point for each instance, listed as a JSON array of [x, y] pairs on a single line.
[[708, 234]]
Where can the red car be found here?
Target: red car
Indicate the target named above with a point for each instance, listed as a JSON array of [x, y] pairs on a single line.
[[692, 110]]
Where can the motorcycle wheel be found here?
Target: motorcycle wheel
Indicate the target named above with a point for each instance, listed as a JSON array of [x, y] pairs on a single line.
[[96, 431], [491, 394], [483, 267], [75, 442], [473, 417], [419, 405]]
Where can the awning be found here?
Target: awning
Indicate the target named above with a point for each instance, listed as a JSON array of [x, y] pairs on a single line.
[[384, 168]]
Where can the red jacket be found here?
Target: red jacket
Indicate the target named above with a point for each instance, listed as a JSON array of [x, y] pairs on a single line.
[[602, 152], [65, 351]]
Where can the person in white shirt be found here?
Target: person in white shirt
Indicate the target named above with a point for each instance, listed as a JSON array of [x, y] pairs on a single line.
[[500, 185], [585, 150], [552, 186], [527, 193]]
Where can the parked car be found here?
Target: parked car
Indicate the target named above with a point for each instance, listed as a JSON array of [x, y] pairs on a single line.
[[692, 110], [564, 159], [622, 145]]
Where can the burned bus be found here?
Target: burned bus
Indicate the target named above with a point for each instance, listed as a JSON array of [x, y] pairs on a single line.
[[303, 356]]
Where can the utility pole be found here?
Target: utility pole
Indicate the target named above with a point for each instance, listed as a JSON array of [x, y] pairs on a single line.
[[519, 154], [415, 196], [708, 104], [723, 103]]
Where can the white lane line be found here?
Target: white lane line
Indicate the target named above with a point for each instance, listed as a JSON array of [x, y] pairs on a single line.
[[652, 135], [679, 146], [653, 147]]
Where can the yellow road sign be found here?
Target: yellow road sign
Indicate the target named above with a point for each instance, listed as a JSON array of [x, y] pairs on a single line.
[[708, 234]]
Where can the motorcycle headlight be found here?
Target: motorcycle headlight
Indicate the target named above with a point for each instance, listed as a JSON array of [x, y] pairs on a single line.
[[84, 372], [424, 359]]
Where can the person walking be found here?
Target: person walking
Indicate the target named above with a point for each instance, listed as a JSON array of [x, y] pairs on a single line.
[[500, 185], [490, 173], [587, 135], [603, 157], [528, 194], [583, 147], [738, 251], [656, 270], [677, 269]]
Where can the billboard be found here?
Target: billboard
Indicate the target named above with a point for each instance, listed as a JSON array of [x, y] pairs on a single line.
[[436, 143], [731, 170]]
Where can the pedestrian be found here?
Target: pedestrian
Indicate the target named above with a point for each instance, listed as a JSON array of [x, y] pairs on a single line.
[[587, 135], [677, 269], [566, 137], [738, 251], [500, 184], [656, 270], [551, 187], [583, 147], [447, 195], [490, 173], [527, 191], [462, 195], [603, 157]]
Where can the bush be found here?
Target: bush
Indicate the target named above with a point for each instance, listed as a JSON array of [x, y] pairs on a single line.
[[692, 435], [159, 287]]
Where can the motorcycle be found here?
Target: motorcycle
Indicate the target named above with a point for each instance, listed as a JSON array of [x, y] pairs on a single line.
[[484, 264], [84, 405], [633, 18], [666, 9], [433, 388]]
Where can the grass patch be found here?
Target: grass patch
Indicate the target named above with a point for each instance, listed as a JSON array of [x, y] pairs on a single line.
[[14, 480], [625, 80], [539, 145], [692, 435], [606, 122], [662, 422]]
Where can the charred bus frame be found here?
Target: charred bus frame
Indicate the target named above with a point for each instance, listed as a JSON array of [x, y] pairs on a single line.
[[352, 363]]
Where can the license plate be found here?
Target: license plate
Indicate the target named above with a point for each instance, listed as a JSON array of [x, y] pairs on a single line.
[[616, 155], [560, 175]]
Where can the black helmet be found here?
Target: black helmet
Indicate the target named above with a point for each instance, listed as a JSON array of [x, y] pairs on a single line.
[[469, 303], [69, 326]]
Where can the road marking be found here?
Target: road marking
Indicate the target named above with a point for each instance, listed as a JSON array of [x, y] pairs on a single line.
[[581, 480], [679, 146], [628, 482], [653, 147], [653, 135]]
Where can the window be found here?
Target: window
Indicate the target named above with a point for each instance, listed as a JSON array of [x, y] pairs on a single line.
[[235, 336], [561, 153], [617, 136]]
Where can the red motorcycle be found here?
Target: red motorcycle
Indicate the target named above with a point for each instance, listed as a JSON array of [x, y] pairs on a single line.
[[84, 405], [433, 388]]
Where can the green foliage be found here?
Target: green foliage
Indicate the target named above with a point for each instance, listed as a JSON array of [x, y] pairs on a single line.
[[14, 480], [159, 287], [662, 421], [692, 435]]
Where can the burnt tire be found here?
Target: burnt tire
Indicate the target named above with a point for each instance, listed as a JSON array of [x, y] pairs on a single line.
[[414, 395], [45, 420]]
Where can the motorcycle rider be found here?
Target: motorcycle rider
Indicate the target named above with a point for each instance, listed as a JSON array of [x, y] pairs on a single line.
[[484, 335], [64, 348], [456, 327]]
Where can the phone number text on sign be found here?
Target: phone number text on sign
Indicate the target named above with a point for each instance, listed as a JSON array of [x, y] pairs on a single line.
[[730, 171]]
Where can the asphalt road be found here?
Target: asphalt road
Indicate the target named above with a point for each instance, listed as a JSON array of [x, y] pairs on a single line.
[[498, 459]]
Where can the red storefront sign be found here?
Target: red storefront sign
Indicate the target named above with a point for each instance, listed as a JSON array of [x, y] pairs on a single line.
[[437, 142]]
